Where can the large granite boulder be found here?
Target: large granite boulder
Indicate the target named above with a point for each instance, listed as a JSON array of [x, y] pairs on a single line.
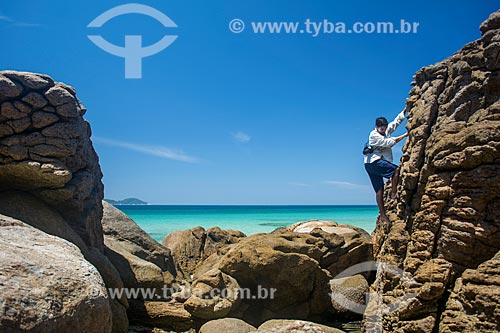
[[190, 248], [356, 245], [144, 265], [232, 325], [118, 226], [270, 263], [141, 261], [295, 326], [33, 211], [49, 172], [160, 316], [213, 295], [45, 150], [348, 295], [286, 274], [46, 285], [444, 228]]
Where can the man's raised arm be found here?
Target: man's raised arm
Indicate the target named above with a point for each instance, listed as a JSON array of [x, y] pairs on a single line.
[[393, 125]]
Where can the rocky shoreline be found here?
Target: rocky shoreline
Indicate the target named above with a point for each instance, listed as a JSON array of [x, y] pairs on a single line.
[[71, 262]]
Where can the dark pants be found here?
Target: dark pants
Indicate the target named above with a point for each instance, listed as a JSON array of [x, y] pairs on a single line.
[[379, 170]]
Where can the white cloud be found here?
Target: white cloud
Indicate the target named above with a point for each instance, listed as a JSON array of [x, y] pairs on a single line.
[[16, 23], [241, 137], [346, 185], [160, 151], [299, 184]]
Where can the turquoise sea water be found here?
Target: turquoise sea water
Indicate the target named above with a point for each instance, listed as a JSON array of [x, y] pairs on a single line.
[[159, 221]]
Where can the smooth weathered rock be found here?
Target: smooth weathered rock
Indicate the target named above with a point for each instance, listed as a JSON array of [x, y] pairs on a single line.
[[164, 315], [141, 261], [20, 125], [206, 265], [356, 243], [445, 224], [9, 88], [147, 329], [294, 326], [143, 265], [349, 295], [191, 247], [204, 303], [134, 271], [5, 130], [120, 227], [232, 325], [35, 99], [9, 111], [119, 317], [327, 226], [270, 262], [33, 211], [492, 23], [30, 80], [43, 119], [46, 285], [59, 95], [294, 267]]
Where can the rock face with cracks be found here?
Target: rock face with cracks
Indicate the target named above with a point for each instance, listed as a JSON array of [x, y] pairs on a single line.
[[45, 150], [444, 229], [50, 176]]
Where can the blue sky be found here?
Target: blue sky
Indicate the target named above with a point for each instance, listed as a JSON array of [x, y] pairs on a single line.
[[225, 118]]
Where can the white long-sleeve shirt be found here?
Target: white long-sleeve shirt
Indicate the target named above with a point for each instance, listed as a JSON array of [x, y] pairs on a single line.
[[382, 144]]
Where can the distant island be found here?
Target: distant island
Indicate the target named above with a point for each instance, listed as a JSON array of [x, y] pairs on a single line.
[[128, 201]]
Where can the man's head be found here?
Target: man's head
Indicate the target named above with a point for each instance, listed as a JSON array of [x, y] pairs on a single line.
[[381, 125]]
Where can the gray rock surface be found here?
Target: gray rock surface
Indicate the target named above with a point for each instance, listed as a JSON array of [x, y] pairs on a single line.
[[49, 172], [143, 263], [118, 226], [232, 325], [190, 248], [294, 326], [45, 150], [46, 285], [33, 211], [140, 260], [349, 295]]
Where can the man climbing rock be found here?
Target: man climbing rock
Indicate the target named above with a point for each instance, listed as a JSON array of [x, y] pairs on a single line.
[[378, 158]]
